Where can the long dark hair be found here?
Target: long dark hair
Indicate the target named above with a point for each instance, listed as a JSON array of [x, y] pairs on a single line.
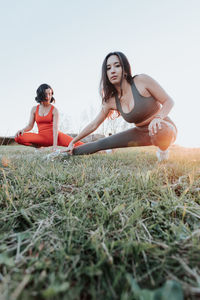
[[107, 89], [41, 96]]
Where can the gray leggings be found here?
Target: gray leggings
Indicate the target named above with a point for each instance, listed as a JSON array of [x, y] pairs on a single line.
[[134, 137]]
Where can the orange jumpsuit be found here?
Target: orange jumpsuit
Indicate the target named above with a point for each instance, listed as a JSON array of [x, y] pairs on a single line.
[[44, 137]]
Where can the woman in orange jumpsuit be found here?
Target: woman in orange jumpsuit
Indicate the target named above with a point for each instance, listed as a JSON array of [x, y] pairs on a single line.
[[46, 116]]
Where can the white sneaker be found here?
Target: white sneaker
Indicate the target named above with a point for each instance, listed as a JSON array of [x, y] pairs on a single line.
[[162, 155], [109, 151], [56, 154]]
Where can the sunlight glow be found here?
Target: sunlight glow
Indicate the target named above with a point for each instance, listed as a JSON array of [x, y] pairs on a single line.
[[66, 51]]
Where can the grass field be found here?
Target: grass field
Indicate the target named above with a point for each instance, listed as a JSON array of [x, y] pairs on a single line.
[[119, 226]]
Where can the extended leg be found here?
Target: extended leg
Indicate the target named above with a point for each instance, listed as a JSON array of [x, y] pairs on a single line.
[[133, 137]]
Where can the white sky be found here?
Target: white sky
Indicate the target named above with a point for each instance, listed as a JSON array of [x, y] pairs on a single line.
[[63, 43]]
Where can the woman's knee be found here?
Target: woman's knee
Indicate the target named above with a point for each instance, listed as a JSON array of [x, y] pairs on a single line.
[[165, 136], [18, 139], [22, 140]]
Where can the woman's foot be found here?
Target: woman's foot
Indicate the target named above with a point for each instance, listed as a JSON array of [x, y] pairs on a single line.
[[162, 155], [57, 154]]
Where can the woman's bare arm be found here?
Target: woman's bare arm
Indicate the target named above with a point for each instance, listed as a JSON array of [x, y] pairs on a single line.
[[160, 95], [30, 124], [91, 127], [55, 127], [154, 89]]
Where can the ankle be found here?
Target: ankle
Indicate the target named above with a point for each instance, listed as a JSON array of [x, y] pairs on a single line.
[[163, 151]]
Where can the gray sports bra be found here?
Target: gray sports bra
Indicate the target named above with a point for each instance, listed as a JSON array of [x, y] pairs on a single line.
[[144, 107]]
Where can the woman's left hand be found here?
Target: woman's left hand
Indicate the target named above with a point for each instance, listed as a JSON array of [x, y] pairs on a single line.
[[154, 126], [54, 149], [70, 147]]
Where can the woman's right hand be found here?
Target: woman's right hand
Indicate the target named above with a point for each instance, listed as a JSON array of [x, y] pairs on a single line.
[[19, 132], [70, 147], [154, 126]]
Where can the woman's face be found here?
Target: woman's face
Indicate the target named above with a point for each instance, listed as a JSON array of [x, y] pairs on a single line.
[[114, 69], [48, 95]]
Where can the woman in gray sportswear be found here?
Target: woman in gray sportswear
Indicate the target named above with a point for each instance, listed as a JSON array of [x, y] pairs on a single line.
[[139, 100]]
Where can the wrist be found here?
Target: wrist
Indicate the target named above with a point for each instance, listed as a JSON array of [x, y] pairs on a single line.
[[158, 117], [73, 141]]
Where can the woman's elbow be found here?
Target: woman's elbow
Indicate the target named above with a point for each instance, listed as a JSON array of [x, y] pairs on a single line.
[[94, 127], [172, 102], [30, 127], [55, 128]]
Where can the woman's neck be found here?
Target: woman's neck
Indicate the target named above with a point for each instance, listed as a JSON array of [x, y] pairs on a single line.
[[122, 88], [45, 104]]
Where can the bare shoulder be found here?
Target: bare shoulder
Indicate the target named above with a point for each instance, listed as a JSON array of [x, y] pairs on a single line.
[[144, 78], [33, 110], [55, 110]]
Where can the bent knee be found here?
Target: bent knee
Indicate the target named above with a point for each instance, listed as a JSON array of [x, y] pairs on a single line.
[[18, 139], [21, 140], [165, 136]]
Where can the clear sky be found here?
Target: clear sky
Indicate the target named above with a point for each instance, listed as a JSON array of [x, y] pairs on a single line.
[[63, 43]]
